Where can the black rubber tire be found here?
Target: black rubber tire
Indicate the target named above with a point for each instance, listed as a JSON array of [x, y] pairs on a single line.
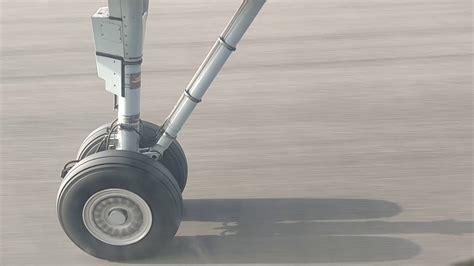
[[174, 158], [131, 171]]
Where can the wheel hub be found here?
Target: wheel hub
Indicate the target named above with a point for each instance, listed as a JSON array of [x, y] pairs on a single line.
[[117, 216]]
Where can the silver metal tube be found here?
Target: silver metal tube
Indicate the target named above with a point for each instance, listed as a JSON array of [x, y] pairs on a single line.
[[133, 16], [129, 111], [207, 72]]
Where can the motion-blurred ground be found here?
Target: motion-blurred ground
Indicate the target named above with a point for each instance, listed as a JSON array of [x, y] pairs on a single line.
[[340, 132]]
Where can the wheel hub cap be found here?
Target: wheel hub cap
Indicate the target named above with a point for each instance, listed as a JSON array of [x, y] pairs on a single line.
[[117, 216]]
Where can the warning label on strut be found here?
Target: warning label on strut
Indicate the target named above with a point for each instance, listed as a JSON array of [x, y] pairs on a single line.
[[135, 80]]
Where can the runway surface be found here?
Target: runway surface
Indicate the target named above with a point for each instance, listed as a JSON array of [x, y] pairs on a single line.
[[340, 132]]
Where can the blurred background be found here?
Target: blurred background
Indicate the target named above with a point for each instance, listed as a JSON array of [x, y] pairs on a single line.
[[340, 132]]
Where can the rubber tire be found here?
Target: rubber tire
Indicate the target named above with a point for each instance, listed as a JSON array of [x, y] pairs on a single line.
[[174, 158], [131, 171]]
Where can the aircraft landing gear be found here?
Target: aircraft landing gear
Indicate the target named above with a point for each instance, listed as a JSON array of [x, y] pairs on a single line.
[[121, 199]]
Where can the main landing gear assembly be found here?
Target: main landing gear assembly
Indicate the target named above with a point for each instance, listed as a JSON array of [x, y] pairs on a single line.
[[121, 198]]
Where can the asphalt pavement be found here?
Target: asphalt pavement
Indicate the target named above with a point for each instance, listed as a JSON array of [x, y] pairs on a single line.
[[340, 132]]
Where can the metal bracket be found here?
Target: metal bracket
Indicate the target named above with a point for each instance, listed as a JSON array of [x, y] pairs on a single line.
[[110, 68], [153, 155]]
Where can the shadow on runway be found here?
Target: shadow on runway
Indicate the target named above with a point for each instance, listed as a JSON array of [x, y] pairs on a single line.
[[291, 231]]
